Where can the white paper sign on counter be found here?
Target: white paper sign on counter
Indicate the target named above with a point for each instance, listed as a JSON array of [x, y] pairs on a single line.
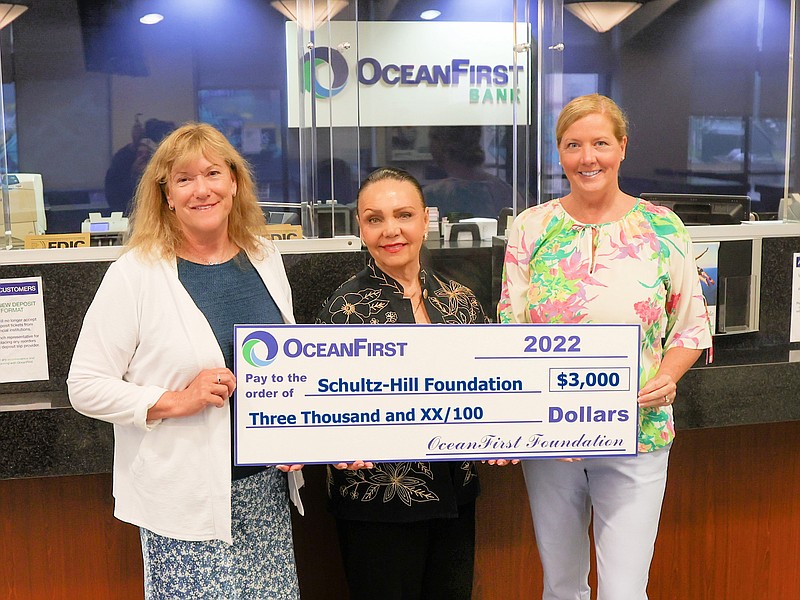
[[23, 343]]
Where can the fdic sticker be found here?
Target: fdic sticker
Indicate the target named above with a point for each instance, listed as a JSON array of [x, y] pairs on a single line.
[[57, 240]]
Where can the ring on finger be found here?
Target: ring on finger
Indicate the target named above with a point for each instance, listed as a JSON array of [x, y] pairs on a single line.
[[219, 378]]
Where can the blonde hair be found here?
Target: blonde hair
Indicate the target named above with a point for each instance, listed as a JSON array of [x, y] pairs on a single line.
[[154, 227], [591, 104]]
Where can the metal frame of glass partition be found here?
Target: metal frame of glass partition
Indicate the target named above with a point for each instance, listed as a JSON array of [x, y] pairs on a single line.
[[790, 207], [7, 244]]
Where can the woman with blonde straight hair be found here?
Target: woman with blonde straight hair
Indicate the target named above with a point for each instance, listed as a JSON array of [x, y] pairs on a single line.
[[599, 255]]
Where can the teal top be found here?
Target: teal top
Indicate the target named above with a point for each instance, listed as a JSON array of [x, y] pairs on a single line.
[[228, 294]]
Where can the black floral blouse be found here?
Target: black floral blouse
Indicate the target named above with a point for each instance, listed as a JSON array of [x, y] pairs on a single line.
[[401, 491]]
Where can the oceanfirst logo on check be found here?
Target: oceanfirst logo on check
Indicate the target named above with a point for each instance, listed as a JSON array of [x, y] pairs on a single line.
[[260, 348]]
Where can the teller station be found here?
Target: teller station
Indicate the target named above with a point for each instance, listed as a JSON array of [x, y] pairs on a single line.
[[34, 213], [731, 268], [736, 417]]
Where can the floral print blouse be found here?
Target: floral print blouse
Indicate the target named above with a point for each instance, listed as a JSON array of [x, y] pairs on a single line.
[[401, 491], [639, 269]]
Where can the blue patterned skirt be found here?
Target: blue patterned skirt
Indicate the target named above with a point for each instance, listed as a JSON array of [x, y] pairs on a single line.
[[259, 565]]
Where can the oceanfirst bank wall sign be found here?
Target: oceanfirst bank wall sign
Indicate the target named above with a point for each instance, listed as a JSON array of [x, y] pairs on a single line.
[[328, 394], [409, 74]]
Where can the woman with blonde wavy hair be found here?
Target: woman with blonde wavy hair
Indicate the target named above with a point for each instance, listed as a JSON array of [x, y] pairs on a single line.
[[155, 225], [155, 358]]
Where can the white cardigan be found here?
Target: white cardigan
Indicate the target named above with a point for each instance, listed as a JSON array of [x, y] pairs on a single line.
[[142, 336]]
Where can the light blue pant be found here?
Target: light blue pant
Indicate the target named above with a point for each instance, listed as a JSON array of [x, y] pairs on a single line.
[[625, 494]]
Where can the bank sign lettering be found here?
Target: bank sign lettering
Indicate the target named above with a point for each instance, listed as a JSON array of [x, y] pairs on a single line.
[[380, 74]]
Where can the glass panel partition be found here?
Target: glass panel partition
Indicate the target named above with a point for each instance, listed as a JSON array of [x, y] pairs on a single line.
[[551, 96], [703, 83], [448, 99], [326, 129], [26, 216], [92, 82]]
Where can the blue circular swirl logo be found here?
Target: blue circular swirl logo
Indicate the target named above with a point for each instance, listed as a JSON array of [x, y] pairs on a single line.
[[259, 349], [323, 55]]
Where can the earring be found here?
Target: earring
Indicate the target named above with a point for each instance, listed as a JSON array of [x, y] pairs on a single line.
[[171, 207]]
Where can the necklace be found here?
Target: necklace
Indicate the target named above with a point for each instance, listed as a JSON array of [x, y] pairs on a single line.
[[219, 259], [421, 295], [215, 261]]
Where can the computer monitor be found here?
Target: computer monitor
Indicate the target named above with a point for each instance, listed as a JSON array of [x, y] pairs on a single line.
[[283, 218], [704, 209]]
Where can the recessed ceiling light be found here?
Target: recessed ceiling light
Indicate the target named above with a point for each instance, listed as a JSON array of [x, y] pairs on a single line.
[[429, 15], [151, 19]]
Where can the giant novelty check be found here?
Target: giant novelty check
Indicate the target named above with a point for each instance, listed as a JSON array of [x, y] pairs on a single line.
[[329, 394]]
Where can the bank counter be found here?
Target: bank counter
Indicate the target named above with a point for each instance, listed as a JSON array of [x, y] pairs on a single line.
[[734, 473]]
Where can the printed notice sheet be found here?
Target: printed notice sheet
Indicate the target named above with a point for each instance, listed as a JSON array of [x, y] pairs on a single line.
[[794, 326], [329, 394], [23, 344], [706, 254]]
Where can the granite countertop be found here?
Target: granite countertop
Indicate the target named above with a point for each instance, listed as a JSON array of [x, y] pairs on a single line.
[[33, 401], [43, 436], [738, 395]]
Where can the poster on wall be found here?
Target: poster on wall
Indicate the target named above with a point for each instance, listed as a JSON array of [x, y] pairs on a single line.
[[794, 328], [23, 344], [706, 254]]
